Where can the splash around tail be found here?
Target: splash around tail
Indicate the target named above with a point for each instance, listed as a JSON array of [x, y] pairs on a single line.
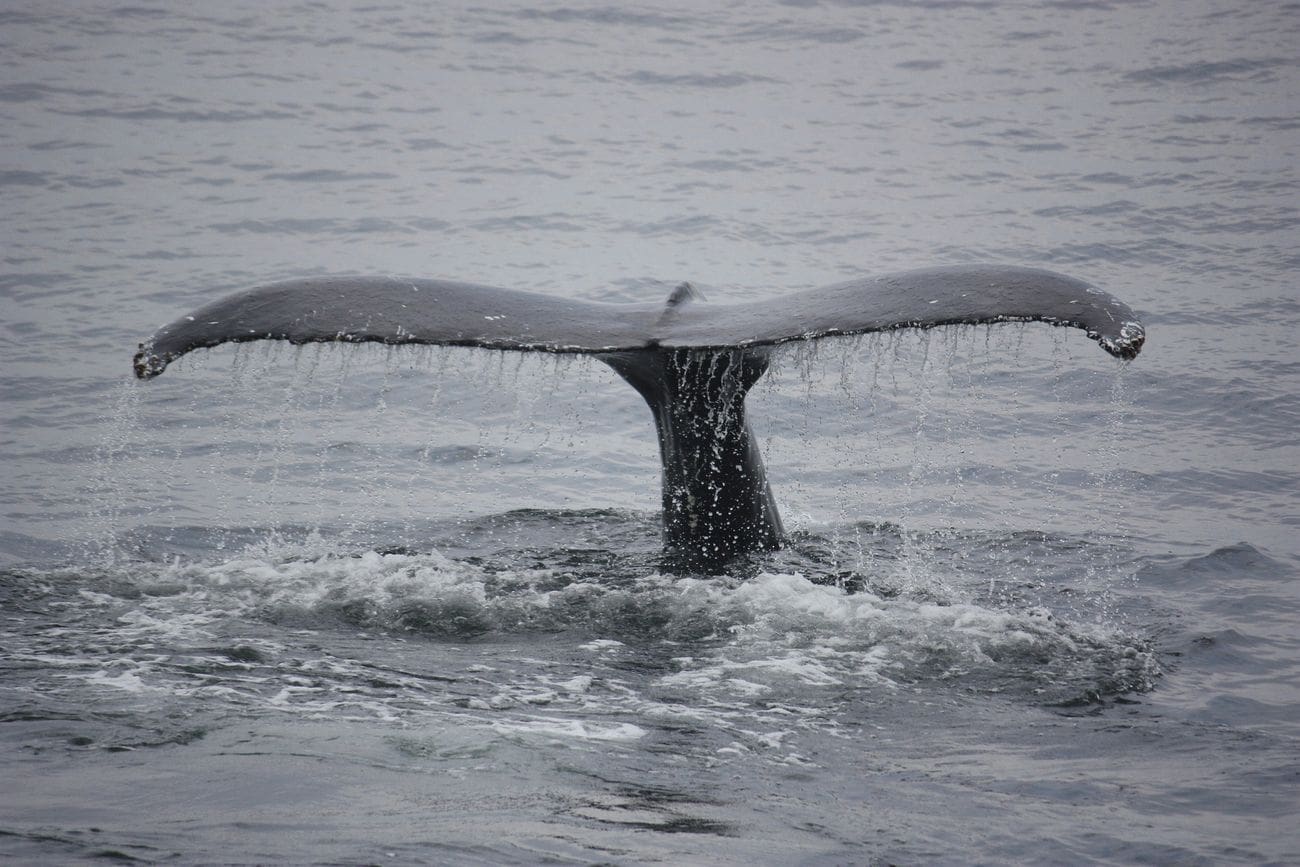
[[693, 363]]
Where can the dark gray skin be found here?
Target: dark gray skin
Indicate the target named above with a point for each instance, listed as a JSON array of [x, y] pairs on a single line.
[[717, 503], [692, 363]]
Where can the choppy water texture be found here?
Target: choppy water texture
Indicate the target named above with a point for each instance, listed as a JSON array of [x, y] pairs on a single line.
[[349, 605]]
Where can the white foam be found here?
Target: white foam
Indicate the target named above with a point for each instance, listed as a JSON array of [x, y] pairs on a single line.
[[787, 632], [601, 644], [127, 681], [577, 685], [793, 666], [756, 651], [571, 728]]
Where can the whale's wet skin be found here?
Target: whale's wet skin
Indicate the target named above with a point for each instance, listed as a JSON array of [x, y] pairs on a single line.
[[693, 364], [360, 604]]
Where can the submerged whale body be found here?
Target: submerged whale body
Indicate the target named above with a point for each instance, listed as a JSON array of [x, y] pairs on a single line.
[[693, 363]]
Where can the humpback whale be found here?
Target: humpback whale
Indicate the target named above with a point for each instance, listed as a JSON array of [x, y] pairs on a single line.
[[692, 362]]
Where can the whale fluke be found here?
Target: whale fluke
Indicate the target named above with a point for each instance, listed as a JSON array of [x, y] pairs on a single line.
[[692, 362], [395, 311]]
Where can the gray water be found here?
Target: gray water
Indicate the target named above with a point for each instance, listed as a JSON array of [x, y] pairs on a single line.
[[351, 605]]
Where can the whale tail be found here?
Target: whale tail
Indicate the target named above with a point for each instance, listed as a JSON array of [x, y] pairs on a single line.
[[692, 363], [716, 500]]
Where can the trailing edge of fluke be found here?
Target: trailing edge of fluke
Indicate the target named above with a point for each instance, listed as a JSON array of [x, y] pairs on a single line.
[[692, 362]]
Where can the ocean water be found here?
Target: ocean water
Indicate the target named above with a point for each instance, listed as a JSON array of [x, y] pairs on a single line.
[[357, 605]]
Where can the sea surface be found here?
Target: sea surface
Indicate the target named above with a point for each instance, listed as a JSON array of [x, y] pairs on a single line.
[[348, 605]]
